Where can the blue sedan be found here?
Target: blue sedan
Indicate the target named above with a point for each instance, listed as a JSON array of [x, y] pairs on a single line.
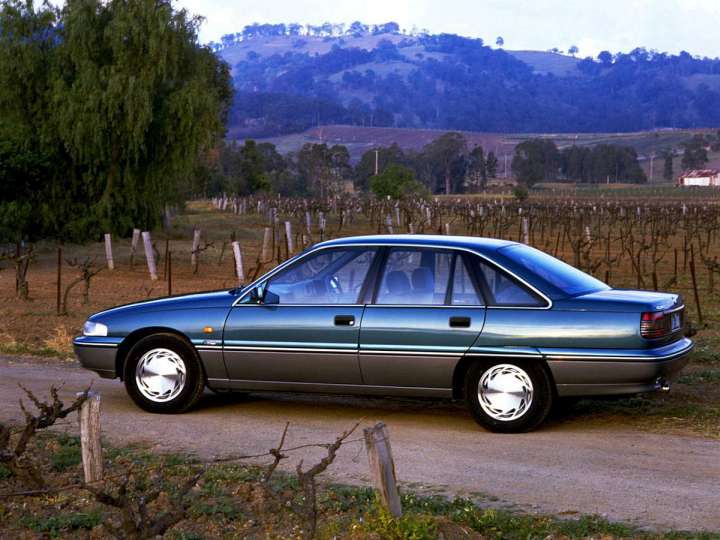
[[505, 327]]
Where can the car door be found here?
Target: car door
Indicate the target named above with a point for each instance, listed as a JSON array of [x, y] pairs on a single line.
[[426, 312], [307, 329]]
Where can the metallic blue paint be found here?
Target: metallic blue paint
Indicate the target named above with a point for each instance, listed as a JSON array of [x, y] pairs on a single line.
[[407, 349]]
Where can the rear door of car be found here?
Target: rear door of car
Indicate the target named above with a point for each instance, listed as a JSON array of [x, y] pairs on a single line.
[[426, 310], [310, 334]]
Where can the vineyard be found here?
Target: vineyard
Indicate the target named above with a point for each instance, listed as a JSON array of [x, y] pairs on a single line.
[[659, 244]]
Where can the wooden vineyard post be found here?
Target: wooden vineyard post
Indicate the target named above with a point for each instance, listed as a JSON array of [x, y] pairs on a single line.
[[382, 467], [58, 304], [694, 284], [133, 246], [525, 231], [239, 270], [168, 266], [90, 444], [267, 238], [195, 248], [289, 239], [108, 252], [149, 255]]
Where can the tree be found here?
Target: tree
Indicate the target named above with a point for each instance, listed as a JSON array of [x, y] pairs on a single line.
[[491, 165], [395, 182], [321, 168], [476, 171], [535, 160], [122, 100], [251, 167], [668, 165], [606, 58], [499, 41], [695, 155], [573, 50], [447, 154], [365, 169]]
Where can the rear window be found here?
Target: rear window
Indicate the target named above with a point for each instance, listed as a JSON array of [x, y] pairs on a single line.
[[568, 279]]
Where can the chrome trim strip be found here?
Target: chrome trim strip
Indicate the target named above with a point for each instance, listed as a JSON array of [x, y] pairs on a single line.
[[289, 349], [646, 358], [412, 353], [90, 344], [381, 244], [333, 385]]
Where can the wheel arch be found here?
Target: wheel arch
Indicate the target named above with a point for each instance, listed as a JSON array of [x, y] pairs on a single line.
[[133, 337], [463, 365]]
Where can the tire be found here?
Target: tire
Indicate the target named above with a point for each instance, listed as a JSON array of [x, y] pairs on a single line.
[[523, 410], [181, 386]]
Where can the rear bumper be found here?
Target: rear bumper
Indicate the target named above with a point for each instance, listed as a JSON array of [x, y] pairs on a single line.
[[97, 355], [616, 372]]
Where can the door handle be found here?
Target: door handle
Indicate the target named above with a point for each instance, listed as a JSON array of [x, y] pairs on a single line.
[[344, 320], [459, 322]]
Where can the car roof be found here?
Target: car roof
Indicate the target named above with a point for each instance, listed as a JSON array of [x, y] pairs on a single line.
[[436, 240]]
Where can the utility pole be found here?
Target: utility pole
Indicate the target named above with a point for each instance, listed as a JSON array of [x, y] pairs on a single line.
[[652, 158]]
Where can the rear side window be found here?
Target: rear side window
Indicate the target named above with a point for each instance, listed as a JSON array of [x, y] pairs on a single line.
[[415, 277], [502, 289], [463, 290]]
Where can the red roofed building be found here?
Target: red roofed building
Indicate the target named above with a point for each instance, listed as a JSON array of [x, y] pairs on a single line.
[[700, 177]]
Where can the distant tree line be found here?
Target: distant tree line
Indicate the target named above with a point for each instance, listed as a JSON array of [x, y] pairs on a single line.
[[452, 82], [446, 165], [104, 110]]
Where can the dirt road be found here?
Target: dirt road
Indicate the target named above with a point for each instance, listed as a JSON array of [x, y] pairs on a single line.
[[573, 466]]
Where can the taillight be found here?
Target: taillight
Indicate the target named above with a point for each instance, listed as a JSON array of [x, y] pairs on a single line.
[[658, 324]]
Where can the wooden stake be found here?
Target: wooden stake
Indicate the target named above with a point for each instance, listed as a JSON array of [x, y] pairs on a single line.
[[289, 238], [59, 281], [90, 444], [267, 238], [133, 246], [108, 252], [168, 265], [149, 255], [239, 270], [382, 467], [694, 284], [195, 247]]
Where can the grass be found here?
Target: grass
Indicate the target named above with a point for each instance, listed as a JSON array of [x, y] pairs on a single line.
[[230, 504]]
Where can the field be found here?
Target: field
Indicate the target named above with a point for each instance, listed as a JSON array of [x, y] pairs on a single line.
[[634, 239]]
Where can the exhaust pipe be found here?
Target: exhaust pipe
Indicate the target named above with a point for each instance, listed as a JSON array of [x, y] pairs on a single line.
[[662, 385]]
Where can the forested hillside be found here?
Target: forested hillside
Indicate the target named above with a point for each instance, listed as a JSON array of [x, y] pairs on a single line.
[[291, 77]]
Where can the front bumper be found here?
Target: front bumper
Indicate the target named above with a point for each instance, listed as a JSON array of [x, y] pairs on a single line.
[[97, 354], [616, 372]]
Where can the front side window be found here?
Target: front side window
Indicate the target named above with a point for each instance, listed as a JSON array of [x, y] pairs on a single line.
[[415, 277], [326, 277], [503, 290]]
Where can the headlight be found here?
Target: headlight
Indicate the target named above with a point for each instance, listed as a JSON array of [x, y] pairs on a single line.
[[94, 329]]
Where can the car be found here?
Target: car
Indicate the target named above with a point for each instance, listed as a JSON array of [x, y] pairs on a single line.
[[507, 328]]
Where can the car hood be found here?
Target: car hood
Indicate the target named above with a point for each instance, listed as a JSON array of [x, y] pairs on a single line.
[[622, 300], [199, 300]]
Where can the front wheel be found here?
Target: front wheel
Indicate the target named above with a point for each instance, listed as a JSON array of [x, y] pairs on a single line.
[[163, 374], [509, 396]]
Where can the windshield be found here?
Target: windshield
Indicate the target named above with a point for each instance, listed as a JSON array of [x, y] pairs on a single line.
[[567, 278]]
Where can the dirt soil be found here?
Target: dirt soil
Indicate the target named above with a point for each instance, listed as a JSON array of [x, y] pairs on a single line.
[[576, 464]]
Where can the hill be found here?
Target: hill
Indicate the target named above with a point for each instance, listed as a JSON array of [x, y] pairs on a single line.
[[289, 78]]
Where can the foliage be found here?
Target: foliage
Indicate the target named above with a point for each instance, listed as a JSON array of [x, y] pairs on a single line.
[[468, 86], [520, 192], [535, 160], [105, 108], [695, 154], [396, 182]]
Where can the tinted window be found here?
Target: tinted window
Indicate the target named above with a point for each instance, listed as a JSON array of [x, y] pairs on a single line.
[[415, 277], [463, 290], [567, 278], [502, 289], [326, 277]]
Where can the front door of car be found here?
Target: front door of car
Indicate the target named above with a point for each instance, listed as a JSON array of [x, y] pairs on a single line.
[[425, 314], [304, 325]]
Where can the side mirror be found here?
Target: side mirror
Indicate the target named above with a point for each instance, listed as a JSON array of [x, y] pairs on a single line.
[[260, 295]]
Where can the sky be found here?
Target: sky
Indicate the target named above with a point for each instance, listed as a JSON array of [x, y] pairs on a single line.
[[592, 25]]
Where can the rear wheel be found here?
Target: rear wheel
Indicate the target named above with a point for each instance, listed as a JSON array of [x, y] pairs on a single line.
[[509, 396], [163, 374]]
